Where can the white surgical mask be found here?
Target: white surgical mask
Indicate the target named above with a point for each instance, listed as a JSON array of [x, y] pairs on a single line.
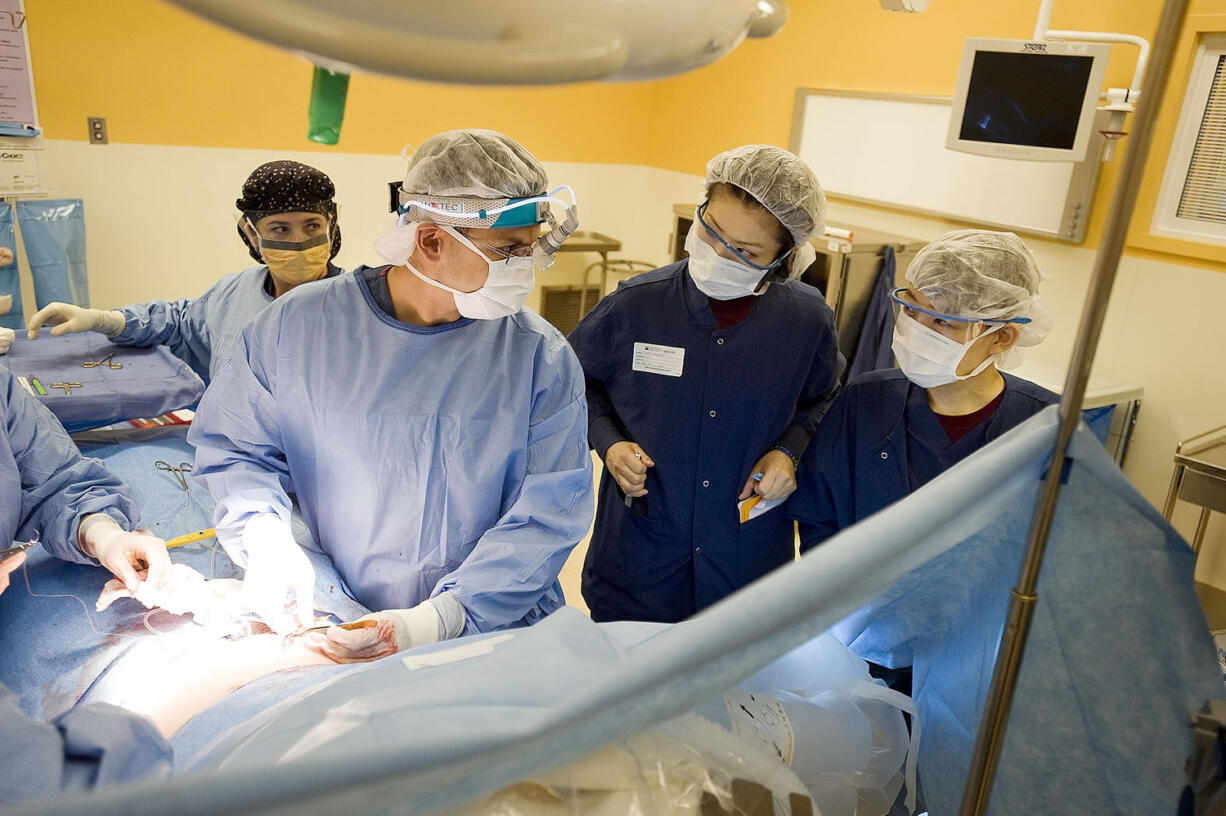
[[505, 289], [929, 358], [716, 276]]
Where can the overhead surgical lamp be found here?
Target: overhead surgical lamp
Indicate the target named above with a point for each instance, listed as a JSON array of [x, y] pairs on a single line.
[[527, 42]]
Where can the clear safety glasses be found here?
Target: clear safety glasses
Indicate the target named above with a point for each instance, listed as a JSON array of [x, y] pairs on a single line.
[[739, 256], [902, 299], [504, 253]]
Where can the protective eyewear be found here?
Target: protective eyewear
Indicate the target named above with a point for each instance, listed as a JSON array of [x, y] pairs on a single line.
[[267, 242], [505, 253], [903, 299], [739, 256]]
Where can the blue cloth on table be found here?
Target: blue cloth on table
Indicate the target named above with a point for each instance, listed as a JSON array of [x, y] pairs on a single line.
[[167, 510], [1138, 662], [874, 349], [53, 231], [10, 281], [152, 381]]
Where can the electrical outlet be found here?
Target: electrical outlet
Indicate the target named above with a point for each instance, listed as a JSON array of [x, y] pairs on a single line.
[[97, 130]]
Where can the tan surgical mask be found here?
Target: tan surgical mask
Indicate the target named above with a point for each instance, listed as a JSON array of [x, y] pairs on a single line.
[[296, 262]]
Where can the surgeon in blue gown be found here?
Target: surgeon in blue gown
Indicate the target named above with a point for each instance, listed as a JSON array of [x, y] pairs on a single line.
[[971, 302], [80, 512], [288, 225], [705, 381], [432, 431]]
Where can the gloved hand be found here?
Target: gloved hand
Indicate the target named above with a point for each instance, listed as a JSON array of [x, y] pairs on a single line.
[[627, 464], [69, 319], [8, 566], [439, 618], [124, 553], [6, 339], [6, 258], [280, 582], [778, 477]]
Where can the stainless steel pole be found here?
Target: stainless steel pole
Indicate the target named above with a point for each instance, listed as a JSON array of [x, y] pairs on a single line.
[[1017, 627]]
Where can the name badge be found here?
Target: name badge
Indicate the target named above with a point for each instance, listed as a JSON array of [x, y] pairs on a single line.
[[653, 359]]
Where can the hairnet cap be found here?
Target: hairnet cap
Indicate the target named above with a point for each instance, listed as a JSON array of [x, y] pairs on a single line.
[[780, 181], [477, 163], [287, 186], [985, 275]]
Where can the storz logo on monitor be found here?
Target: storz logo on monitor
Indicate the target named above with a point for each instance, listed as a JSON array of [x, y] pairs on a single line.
[[1034, 46]]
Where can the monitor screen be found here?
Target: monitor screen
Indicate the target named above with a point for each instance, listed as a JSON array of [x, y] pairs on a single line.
[[1025, 99]]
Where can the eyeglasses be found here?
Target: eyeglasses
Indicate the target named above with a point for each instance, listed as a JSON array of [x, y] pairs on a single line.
[[739, 256], [902, 297], [504, 253]]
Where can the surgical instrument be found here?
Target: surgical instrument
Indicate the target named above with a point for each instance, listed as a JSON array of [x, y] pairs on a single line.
[[179, 541], [22, 547], [302, 630], [67, 386], [184, 467], [107, 361]]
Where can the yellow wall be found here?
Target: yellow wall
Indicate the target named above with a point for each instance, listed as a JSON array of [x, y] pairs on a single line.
[[853, 45], [162, 76], [750, 95]]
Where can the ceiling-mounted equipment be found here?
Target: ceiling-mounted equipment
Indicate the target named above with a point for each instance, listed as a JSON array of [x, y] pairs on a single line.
[[912, 6], [528, 42], [1018, 99]]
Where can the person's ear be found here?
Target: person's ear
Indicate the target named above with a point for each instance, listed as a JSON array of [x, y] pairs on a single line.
[[430, 242], [1006, 338]]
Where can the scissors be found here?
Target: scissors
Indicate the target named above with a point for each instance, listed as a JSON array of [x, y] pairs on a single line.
[[184, 467], [105, 361], [20, 547], [302, 630]]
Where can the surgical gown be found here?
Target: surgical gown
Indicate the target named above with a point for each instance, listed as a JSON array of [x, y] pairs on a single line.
[[881, 441], [46, 485], [705, 403], [201, 331], [46, 488], [425, 459]]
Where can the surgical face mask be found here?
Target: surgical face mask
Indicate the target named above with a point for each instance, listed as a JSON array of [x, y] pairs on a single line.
[[506, 288], [295, 262], [929, 358], [716, 276]]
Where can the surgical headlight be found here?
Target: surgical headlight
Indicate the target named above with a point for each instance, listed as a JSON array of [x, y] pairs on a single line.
[[486, 213], [498, 213]]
